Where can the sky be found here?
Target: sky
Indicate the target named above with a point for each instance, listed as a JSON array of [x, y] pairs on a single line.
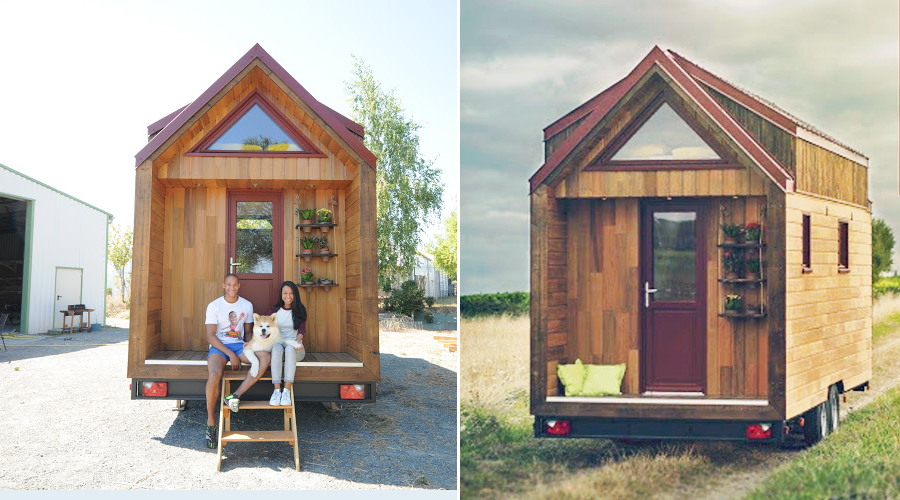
[[525, 64], [81, 81]]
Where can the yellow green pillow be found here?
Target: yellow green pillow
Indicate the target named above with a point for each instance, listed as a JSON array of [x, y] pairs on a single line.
[[603, 380], [572, 377]]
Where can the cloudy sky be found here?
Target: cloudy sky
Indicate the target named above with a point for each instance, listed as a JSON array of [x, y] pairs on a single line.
[[523, 64], [82, 80]]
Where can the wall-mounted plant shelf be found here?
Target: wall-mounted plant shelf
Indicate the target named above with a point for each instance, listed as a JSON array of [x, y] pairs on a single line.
[[322, 227], [741, 281], [323, 286], [323, 256], [742, 315], [741, 245]]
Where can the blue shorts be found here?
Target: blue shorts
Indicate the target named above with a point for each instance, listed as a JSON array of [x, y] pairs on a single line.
[[237, 349]]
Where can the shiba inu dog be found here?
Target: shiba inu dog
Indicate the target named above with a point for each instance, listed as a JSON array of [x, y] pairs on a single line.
[[265, 336]]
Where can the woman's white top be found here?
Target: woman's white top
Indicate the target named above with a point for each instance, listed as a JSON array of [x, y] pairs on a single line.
[[286, 325]]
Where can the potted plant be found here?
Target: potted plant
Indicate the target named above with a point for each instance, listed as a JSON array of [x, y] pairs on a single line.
[[752, 232], [307, 244], [734, 303], [733, 265], [323, 215], [731, 232], [306, 276], [306, 215], [326, 281], [323, 244], [752, 269]]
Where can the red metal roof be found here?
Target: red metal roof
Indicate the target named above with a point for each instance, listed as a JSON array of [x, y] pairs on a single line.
[[689, 77], [348, 130]]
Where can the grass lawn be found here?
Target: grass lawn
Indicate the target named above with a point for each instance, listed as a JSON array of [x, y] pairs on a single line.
[[860, 460]]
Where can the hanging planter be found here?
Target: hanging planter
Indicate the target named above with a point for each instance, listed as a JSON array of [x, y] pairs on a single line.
[[306, 276], [324, 216], [734, 303], [306, 215], [733, 265], [752, 269], [753, 232], [307, 244]]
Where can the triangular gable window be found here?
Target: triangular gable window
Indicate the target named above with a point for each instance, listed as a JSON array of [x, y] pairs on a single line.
[[661, 137], [255, 128], [665, 136]]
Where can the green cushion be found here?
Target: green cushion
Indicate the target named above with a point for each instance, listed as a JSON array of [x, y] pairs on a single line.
[[603, 380], [572, 377]]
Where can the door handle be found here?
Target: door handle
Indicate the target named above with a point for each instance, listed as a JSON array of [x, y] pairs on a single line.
[[58, 297], [647, 292], [232, 263]]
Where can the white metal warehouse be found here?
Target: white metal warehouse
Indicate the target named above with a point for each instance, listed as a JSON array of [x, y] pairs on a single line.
[[52, 254]]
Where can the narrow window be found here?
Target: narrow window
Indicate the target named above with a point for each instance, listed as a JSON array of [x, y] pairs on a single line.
[[843, 246], [807, 261]]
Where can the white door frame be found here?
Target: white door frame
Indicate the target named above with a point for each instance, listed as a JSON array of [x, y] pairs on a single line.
[[55, 312]]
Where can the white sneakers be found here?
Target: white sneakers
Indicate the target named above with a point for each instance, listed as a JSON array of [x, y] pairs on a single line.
[[280, 398], [275, 400]]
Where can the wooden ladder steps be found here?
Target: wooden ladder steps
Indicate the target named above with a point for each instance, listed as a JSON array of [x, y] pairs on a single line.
[[227, 435]]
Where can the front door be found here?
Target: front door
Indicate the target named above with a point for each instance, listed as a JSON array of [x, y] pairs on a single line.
[[673, 279], [255, 245], [68, 292]]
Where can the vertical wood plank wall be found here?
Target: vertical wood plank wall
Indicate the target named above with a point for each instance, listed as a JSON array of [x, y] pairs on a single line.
[[829, 314], [598, 243], [822, 172], [195, 260]]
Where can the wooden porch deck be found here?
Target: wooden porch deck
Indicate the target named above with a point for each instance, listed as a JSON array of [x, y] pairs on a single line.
[[341, 359]]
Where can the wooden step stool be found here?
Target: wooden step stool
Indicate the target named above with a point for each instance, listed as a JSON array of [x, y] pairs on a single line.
[[226, 435]]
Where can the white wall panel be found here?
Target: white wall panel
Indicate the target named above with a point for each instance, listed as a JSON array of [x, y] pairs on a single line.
[[66, 233]]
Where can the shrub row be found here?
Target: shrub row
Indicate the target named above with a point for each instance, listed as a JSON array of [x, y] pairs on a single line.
[[490, 304], [886, 285]]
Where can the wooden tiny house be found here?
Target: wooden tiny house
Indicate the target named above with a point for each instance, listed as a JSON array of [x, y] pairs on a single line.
[[630, 263], [217, 189]]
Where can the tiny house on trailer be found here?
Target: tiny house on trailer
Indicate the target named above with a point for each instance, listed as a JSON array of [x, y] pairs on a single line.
[[632, 262], [217, 190]]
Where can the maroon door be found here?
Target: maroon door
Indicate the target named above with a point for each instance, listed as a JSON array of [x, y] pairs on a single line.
[[255, 245], [673, 297]]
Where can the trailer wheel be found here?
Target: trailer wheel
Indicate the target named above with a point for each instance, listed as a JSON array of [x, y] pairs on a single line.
[[834, 415], [816, 427]]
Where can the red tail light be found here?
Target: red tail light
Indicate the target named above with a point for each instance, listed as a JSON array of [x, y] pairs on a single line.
[[557, 427], [353, 391], [154, 389], [759, 431]]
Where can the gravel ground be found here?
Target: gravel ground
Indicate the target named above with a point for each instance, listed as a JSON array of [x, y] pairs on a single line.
[[69, 423]]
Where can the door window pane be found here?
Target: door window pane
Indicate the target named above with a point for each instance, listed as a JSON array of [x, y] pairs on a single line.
[[675, 256], [253, 237]]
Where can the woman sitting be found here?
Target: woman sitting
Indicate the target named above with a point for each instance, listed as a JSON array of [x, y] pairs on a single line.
[[291, 324]]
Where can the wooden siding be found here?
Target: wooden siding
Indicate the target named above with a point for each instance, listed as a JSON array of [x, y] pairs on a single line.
[[777, 141], [827, 174], [171, 165], [551, 144], [195, 259], [602, 323], [828, 314]]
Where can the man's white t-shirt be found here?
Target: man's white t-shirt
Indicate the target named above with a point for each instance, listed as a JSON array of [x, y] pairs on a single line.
[[229, 318]]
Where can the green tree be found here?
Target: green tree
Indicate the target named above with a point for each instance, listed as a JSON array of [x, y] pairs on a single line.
[[882, 248], [408, 187], [119, 251], [444, 247]]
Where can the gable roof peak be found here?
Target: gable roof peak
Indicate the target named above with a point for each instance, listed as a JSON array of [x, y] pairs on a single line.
[[346, 129]]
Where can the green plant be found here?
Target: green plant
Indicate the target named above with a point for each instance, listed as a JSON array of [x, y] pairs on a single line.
[[322, 241], [752, 231], [429, 301], [753, 266], [308, 242], [407, 300], [306, 275], [511, 303], [734, 302], [733, 263], [732, 230], [429, 318], [305, 213], [324, 216]]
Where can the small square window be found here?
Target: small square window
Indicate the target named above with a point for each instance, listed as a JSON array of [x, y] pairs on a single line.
[[807, 261], [843, 245]]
